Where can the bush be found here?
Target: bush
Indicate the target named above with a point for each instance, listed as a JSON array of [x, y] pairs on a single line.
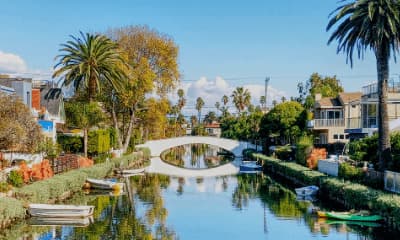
[[4, 187], [352, 173], [10, 210], [303, 149], [284, 152], [70, 144], [15, 178]]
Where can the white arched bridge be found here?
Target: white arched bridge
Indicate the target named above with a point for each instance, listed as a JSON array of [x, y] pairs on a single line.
[[158, 146]]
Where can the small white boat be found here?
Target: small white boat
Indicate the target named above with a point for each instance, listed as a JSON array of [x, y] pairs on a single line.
[[60, 221], [307, 191], [104, 184], [60, 211]]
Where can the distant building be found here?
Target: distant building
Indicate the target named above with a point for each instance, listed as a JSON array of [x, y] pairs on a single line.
[[213, 129], [22, 88]]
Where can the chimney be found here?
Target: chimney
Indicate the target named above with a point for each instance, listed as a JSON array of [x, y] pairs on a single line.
[[36, 99], [318, 96]]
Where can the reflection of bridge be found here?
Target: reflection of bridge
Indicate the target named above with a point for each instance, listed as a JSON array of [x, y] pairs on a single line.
[[158, 146]]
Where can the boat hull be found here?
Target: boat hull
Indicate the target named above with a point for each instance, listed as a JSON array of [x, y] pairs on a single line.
[[60, 211], [104, 184], [250, 168], [307, 191]]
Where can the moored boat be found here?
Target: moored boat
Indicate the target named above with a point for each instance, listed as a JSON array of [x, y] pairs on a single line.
[[104, 184], [132, 171], [60, 211], [250, 167], [307, 191], [354, 217]]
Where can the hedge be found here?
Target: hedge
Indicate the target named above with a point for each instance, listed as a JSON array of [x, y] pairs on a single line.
[[11, 209], [350, 194]]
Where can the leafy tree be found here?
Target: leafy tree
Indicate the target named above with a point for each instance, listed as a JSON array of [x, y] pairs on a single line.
[[326, 86], [210, 117], [286, 120], [154, 121], [193, 120], [199, 106], [224, 109], [241, 98], [152, 58], [89, 60], [263, 102], [83, 115], [373, 24], [18, 129]]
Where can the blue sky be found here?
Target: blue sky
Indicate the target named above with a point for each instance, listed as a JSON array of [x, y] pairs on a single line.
[[240, 42]]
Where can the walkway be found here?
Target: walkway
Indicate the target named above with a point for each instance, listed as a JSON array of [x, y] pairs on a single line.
[[158, 166]]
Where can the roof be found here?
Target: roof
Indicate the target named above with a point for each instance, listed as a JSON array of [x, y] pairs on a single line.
[[328, 102], [347, 97], [51, 98], [212, 125]]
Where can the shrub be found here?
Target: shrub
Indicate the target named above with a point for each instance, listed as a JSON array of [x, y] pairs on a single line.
[[70, 144], [4, 187], [303, 149], [15, 178], [284, 152], [11, 209], [349, 172]]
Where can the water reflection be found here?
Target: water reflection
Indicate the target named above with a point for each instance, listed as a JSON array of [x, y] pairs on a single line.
[[231, 207], [197, 156]]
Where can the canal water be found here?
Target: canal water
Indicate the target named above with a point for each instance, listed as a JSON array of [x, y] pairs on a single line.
[[163, 207]]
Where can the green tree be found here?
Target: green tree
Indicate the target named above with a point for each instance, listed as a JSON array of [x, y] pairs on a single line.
[[263, 102], [210, 117], [326, 86], [199, 106], [83, 115], [224, 109], [373, 24], [241, 98], [88, 61], [286, 120]]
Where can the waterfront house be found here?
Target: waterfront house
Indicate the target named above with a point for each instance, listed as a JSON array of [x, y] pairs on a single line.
[[332, 116], [213, 129]]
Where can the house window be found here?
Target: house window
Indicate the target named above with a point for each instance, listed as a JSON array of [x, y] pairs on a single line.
[[341, 136], [335, 136], [333, 114]]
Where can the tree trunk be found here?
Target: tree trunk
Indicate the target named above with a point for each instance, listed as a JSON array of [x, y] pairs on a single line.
[[116, 127], [85, 141], [129, 132], [384, 150]]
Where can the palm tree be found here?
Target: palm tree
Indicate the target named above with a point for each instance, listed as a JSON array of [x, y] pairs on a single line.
[[373, 24], [88, 61], [241, 98], [263, 101], [199, 106]]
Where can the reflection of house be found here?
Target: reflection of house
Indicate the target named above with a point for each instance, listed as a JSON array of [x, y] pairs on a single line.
[[367, 121], [333, 115], [213, 129]]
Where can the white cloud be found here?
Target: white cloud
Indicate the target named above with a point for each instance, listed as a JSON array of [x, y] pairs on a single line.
[[211, 91], [11, 63]]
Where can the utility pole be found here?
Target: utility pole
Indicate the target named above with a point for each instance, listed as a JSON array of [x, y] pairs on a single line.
[[266, 90]]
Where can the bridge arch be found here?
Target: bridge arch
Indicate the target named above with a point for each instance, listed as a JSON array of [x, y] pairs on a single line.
[[158, 146]]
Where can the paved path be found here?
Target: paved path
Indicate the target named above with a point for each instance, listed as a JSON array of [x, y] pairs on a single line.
[[158, 166]]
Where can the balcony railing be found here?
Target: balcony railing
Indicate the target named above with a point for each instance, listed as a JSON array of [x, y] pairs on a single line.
[[321, 123]]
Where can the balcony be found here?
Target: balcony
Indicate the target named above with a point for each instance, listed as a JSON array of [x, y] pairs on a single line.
[[326, 123]]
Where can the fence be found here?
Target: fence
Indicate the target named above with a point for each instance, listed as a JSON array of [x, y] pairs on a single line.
[[64, 163], [392, 181]]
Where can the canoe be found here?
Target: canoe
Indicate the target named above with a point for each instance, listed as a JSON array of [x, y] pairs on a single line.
[[104, 184], [250, 167], [307, 191], [59, 211], [60, 221], [354, 217]]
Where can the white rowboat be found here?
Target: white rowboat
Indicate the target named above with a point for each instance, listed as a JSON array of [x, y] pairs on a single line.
[[60, 211], [307, 191], [104, 184], [132, 171], [61, 221]]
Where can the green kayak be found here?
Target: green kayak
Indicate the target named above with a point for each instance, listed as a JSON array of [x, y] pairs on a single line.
[[354, 217]]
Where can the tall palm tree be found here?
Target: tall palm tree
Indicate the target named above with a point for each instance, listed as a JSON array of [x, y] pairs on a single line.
[[241, 98], [373, 24], [199, 106], [263, 101], [89, 60]]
